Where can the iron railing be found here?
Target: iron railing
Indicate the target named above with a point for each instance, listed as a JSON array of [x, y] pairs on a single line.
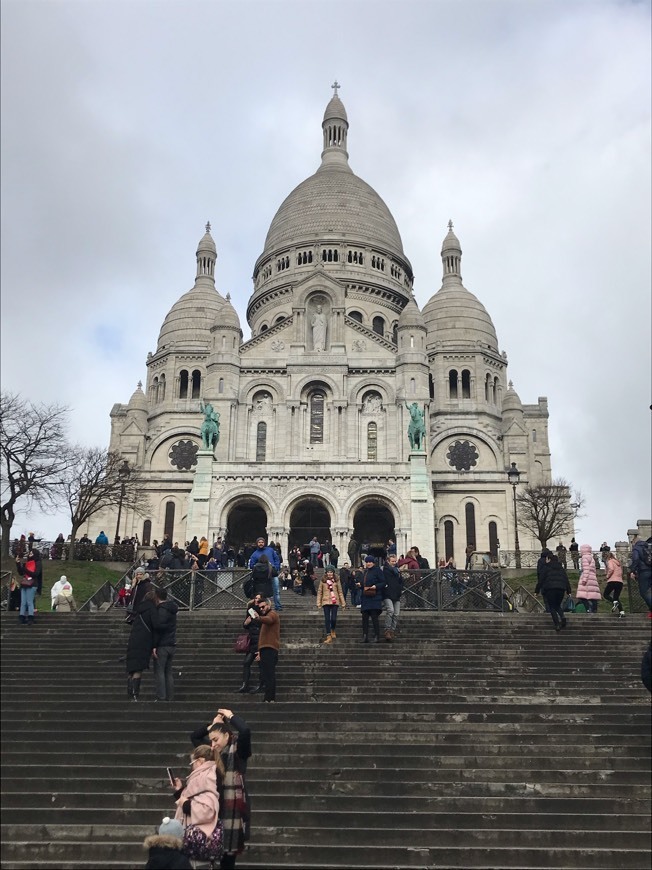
[[199, 590], [446, 589], [5, 584]]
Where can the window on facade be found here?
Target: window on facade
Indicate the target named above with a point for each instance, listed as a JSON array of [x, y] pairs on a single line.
[[168, 525], [196, 384], [280, 319], [413, 386], [452, 383], [449, 540], [317, 400], [493, 541], [220, 385], [263, 328], [395, 333], [487, 388], [147, 533], [534, 436], [261, 442], [431, 386], [355, 315], [183, 384], [161, 388], [154, 390], [466, 384], [378, 325], [494, 392], [469, 512], [372, 441]]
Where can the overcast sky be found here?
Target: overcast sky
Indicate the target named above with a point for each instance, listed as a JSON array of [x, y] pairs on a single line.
[[127, 125]]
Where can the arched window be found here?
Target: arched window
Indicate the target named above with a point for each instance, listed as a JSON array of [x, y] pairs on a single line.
[[280, 319], [534, 436], [317, 400], [469, 512], [494, 392], [378, 325], [466, 384], [431, 386], [355, 315], [263, 328], [449, 540], [372, 441], [493, 541], [220, 385], [161, 388], [154, 390], [183, 384], [487, 388], [147, 533], [261, 441], [395, 333], [196, 384], [452, 383], [168, 526]]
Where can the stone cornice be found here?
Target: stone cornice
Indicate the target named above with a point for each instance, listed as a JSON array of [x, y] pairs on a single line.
[[263, 336], [369, 333]]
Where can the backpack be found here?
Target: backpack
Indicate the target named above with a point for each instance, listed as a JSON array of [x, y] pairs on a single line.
[[166, 559], [248, 587], [647, 555]]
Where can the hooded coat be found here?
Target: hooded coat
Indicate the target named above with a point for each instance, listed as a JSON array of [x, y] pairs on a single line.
[[201, 791], [141, 637], [165, 853], [588, 586]]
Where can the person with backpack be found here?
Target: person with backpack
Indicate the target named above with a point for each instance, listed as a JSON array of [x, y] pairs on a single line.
[[261, 575], [552, 584], [28, 570], [641, 568]]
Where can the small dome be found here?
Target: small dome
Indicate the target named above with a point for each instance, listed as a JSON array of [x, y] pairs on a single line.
[[228, 315], [189, 320], [511, 401], [138, 401], [335, 110], [451, 242], [455, 316], [206, 243], [411, 317]]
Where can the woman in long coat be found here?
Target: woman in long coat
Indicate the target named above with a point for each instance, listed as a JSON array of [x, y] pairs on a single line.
[[329, 598], [140, 644], [372, 604], [588, 589]]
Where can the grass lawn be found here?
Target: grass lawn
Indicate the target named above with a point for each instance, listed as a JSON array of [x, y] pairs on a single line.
[[85, 578], [529, 581]]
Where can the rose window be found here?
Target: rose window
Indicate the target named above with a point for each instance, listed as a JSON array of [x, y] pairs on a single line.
[[183, 455], [462, 455]]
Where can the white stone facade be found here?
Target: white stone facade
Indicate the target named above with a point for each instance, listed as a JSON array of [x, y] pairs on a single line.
[[313, 407]]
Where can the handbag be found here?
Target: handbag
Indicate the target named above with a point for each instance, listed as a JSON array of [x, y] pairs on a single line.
[[242, 643], [369, 591], [569, 605], [198, 846]]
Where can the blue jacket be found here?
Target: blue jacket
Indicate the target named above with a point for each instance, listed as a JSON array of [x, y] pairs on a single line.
[[101, 539], [373, 577], [271, 554], [639, 565]]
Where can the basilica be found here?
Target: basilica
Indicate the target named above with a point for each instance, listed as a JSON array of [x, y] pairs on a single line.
[[302, 429]]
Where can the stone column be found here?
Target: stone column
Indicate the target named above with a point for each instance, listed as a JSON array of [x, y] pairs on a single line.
[[199, 498], [422, 506]]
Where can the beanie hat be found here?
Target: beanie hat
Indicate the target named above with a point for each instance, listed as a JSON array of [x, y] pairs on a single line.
[[171, 828]]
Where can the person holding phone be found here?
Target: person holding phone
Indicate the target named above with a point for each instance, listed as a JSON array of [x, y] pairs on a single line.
[[269, 642], [252, 626]]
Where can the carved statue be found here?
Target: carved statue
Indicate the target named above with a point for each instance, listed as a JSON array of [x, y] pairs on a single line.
[[318, 324], [417, 427], [210, 428]]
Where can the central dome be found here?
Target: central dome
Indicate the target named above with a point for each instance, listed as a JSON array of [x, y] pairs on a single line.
[[334, 202]]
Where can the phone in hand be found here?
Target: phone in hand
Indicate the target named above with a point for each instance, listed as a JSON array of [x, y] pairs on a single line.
[[171, 776], [252, 613]]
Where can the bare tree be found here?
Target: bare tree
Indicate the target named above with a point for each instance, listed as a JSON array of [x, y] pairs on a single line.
[[99, 479], [34, 456], [547, 509]]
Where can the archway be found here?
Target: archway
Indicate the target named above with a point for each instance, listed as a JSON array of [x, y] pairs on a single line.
[[373, 527], [309, 517], [247, 521]]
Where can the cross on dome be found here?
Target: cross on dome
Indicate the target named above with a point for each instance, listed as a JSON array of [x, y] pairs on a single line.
[[208, 226], [336, 86], [450, 225], [140, 385]]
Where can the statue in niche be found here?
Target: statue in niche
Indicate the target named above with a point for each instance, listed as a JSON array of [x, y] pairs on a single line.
[[417, 427], [318, 324], [262, 402], [210, 428], [372, 403]]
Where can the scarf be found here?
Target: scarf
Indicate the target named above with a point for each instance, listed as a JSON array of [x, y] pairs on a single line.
[[331, 589], [234, 805]]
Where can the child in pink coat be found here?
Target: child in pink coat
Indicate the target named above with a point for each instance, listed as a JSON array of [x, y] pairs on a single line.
[[588, 589]]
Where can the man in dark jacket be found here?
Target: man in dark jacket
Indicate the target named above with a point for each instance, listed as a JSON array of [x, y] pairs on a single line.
[[553, 583], [372, 600], [165, 644], [392, 596], [641, 568]]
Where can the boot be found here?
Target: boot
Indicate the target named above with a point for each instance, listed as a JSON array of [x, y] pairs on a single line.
[[388, 635], [377, 639], [23, 619], [30, 620], [136, 688], [328, 639], [259, 688], [333, 635], [244, 688], [130, 688], [365, 638]]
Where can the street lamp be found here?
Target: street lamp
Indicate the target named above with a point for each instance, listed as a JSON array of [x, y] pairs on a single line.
[[514, 475], [123, 473]]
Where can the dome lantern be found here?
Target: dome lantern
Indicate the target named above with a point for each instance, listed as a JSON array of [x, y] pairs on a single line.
[[335, 126], [451, 257], [206, 256]]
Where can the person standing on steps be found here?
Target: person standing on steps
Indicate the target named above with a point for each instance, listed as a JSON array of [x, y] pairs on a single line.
[[329, 598], [308, 578], [373, 585], [640, 568], [613, 589], [269, 643], [315, 550], [252, 627], [392, 596], [553, 583], [588, 589], [574, 550], [28, 571], [165, 643], [140, 644], [261, 574]]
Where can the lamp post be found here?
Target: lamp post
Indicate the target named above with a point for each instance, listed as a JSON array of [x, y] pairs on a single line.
[[514, 475], [123, 473]]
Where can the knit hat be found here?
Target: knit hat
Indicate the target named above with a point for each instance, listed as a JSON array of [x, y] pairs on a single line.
[[171, 828], [370, 559]]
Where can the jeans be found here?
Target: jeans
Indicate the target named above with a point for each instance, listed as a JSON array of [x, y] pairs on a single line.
[[268, 660], [645, 589], [553, 598], [163, 674], [392, 613], [313, 559], [330, 617], [27, 596], [590, 604], [277, 595], [612, 592]]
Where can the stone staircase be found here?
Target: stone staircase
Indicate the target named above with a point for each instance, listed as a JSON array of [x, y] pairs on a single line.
[[473, 741]]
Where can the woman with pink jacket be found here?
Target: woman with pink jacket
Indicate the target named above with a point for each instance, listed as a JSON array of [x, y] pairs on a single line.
[[588, 589], [614, 587]]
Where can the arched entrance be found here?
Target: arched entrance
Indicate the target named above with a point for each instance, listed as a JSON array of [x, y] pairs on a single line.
[[308, 518], [373, 527], [247, 521]]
